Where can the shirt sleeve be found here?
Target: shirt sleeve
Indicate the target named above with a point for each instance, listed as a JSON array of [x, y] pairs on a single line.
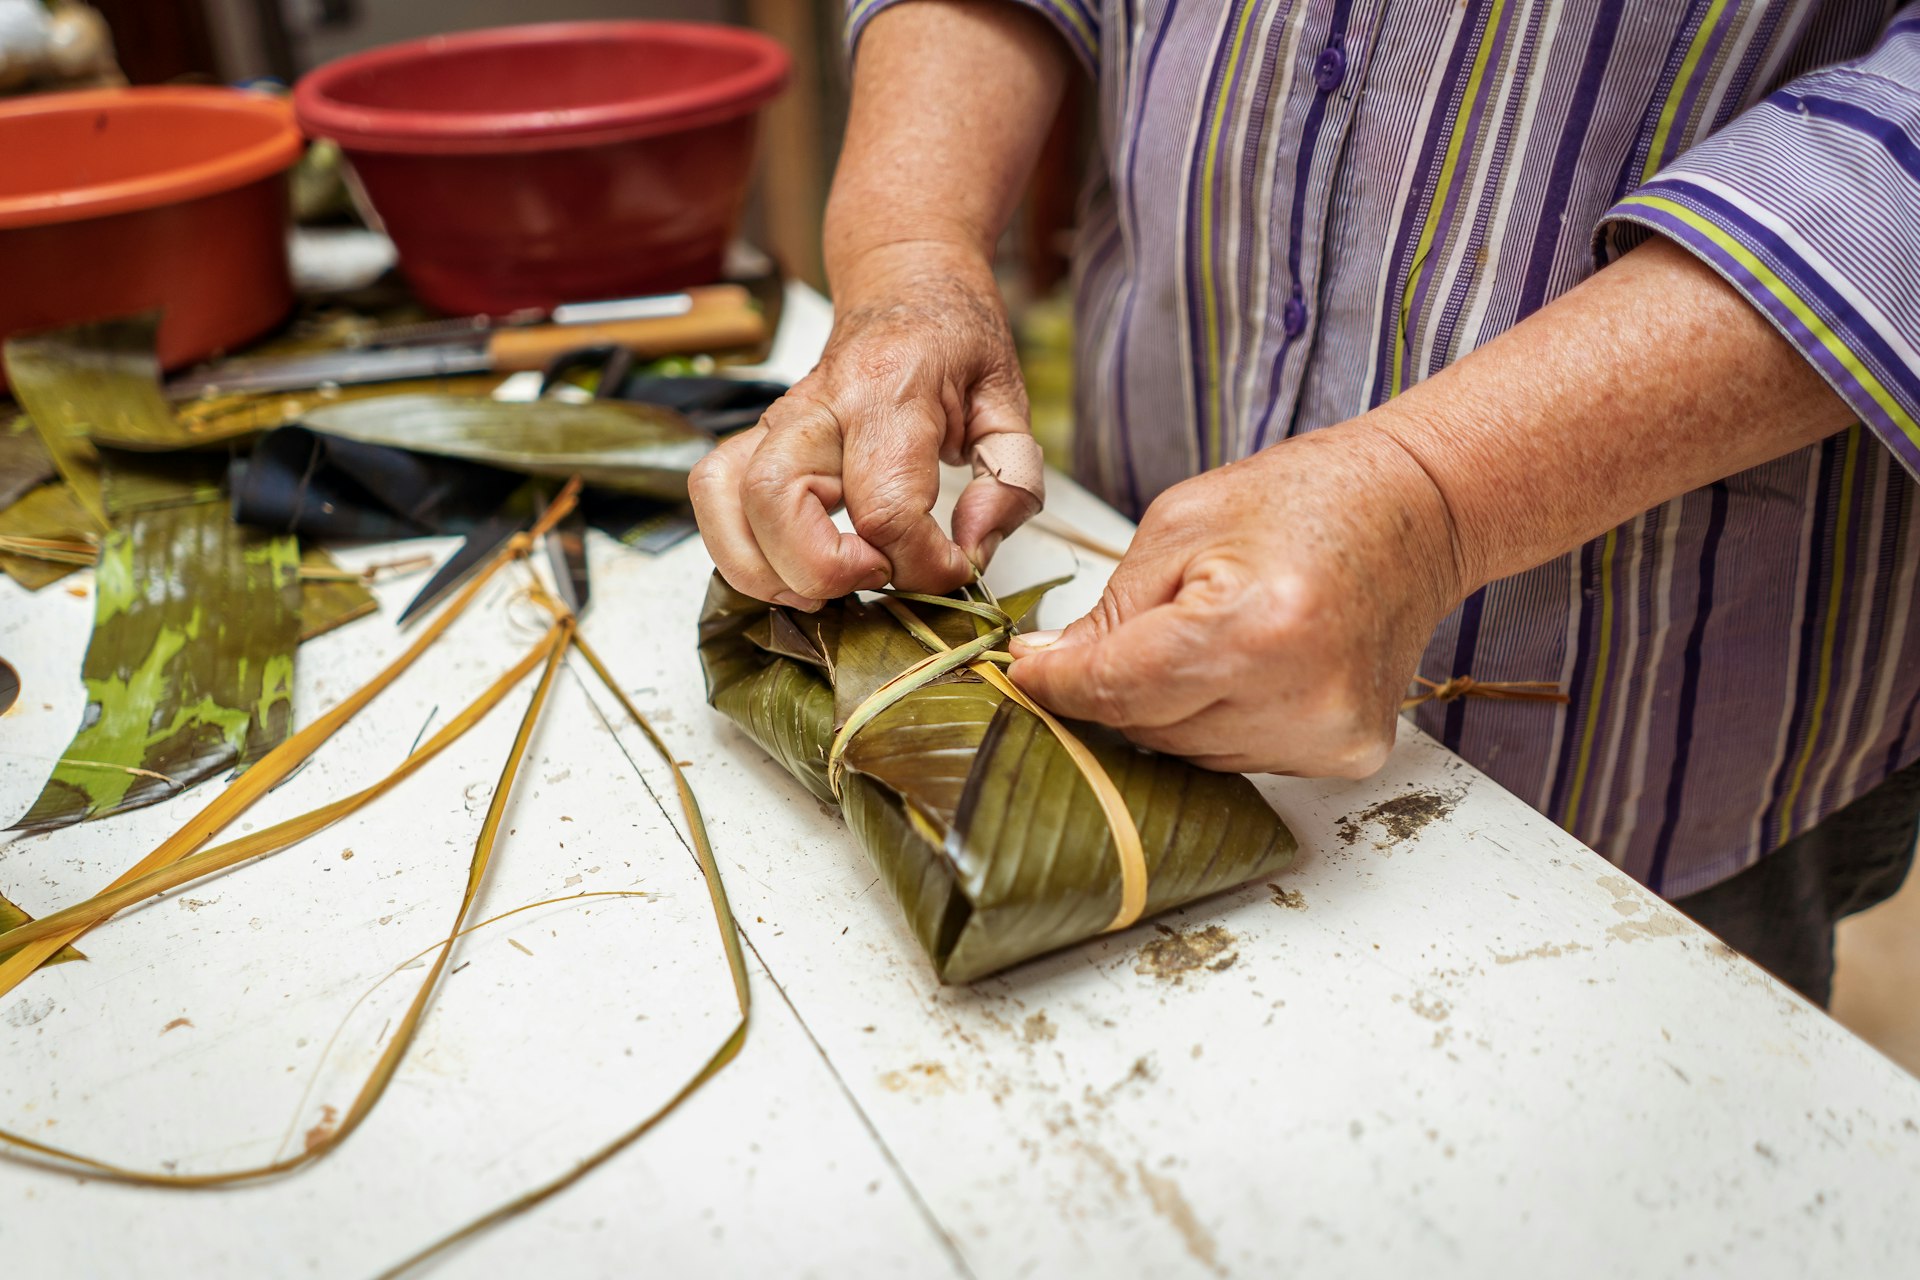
[[1809, 204], [1077, 21]]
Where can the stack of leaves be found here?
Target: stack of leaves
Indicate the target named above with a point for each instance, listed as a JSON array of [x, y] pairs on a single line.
[[1002, 833]]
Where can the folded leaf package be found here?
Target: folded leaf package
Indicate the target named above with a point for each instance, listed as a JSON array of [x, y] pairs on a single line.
[[989, 835]]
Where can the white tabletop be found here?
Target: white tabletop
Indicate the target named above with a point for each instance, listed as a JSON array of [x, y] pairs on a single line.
[[1452, 1041]]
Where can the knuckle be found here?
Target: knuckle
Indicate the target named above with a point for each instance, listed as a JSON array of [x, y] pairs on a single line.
[[1363, 755], [766, 483], [886, 520]]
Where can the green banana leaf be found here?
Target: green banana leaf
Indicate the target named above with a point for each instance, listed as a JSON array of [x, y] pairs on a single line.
[[98, 381], [610, 444], [216, 418], [12, 917], [142, 481], [190, 667], [983, 828], [25, 464]]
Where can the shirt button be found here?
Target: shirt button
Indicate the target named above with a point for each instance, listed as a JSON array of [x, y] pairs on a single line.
[[1294, 318], [1330, 68]]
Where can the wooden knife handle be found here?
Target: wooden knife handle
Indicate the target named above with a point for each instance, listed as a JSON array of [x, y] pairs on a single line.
[[717, 322]]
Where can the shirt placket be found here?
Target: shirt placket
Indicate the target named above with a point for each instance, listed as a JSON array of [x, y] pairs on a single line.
[[1332, 75]]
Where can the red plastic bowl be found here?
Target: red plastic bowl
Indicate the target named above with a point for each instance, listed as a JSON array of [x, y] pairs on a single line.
[[123, 200], [530, 166]]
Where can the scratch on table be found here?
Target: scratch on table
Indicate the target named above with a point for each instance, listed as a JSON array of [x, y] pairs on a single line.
[[1661, 926], [1543, 951], [920, 1078], [25, 1012], [1169, 1202]]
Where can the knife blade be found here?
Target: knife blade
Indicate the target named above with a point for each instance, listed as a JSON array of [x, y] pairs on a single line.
[[720, 318], [567, 554], [487, 537]]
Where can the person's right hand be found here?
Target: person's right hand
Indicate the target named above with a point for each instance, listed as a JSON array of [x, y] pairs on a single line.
[[920, 368]]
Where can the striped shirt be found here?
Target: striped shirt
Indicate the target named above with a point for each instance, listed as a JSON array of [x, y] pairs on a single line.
[[1300, 207]]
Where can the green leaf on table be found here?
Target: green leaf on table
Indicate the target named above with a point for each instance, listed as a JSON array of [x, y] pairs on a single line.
[[609, 444], [189, 670]]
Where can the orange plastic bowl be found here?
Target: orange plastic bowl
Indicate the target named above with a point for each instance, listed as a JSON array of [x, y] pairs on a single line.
[[117, 201]]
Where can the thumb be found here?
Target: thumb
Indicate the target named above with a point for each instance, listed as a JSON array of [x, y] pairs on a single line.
[[1143, 579], [1009, 477], [1090, 670]]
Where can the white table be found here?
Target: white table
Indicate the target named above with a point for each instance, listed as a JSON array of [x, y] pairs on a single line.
[[1469, 1049]]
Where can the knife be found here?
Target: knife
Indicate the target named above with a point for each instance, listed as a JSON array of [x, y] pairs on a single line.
[[468, 329], [720, 318]]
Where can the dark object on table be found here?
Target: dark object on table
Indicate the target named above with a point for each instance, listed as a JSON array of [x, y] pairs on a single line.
[[299, 481], [528, 166], [715, 405]]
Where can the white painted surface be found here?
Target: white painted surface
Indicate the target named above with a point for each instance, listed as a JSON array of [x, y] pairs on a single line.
[[1473, 1051]]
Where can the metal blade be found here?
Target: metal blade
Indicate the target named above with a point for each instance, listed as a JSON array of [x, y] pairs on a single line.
[[294, 373], [480, 545], [567, 552]]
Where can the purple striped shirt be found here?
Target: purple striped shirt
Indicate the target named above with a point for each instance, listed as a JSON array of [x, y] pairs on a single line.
[[1323, 201]]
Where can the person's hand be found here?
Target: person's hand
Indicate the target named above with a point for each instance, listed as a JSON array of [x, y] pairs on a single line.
[[920, 368], [1269, 615]]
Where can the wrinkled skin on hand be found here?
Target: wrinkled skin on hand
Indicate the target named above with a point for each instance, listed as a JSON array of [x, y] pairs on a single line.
[[1269, 615], [920, 367]]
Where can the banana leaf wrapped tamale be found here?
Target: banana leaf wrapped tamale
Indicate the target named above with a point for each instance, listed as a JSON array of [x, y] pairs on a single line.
[[972, 807]]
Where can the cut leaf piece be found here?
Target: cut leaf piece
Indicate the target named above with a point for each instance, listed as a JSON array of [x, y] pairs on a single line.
[[12, 917], [53, 513], [25, 464], [972, 809], [633, 448], [327, 603], [190, 667]]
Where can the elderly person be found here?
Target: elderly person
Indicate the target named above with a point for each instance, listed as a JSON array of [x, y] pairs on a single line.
[[1524, 340]]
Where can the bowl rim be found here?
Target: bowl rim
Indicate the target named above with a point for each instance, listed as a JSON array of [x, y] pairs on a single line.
[[224, 172], [415, 132]]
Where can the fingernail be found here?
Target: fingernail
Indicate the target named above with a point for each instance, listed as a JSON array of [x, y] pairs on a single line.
[[793, 601], [1038, 639]]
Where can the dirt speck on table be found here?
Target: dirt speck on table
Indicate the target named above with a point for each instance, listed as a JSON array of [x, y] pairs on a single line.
[[1174, 954], [1292, 899], [1402, 817]]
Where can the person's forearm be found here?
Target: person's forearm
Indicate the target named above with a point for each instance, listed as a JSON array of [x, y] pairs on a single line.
[[1651, 379], [951, 102]]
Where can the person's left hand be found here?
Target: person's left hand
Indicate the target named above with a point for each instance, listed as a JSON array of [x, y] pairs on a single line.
[[1269, 615]]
